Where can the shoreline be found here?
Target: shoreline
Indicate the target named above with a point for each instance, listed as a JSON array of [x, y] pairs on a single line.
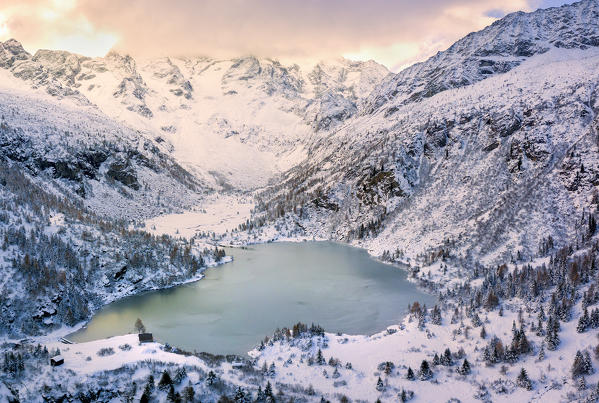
[[65, 332]]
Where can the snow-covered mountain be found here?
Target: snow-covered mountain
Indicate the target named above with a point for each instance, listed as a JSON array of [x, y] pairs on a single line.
[[496, 49], [485, 170], [207, 110], [116, 171]]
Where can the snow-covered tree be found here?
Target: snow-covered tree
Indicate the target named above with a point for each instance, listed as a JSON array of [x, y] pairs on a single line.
[[523, 380], [425, 371], [410, 374]]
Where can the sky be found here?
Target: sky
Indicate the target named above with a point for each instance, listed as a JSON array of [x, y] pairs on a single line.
[[395, 33]]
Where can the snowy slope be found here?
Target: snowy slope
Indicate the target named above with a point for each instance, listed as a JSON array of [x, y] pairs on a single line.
[[258, 110], [116, 171]]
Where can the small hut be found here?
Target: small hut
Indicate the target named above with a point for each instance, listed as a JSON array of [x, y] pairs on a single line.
[[146, 338], [56, 360]]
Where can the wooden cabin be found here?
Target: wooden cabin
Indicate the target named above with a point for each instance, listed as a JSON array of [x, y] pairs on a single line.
[[57, 360], [146, 338]]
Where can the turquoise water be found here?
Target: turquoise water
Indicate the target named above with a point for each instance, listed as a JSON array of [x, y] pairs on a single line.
[[265, 287]]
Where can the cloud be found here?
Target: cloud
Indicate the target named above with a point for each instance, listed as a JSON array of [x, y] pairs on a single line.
[[395, 32], [56, 24]]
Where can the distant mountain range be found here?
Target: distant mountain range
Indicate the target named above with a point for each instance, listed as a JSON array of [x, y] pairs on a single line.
[[206, 110]]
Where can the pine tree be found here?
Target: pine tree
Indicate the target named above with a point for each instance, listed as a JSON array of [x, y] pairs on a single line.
[[542, 352], [239, 395], [582, 383], [446, 358], [511, 355], [583, 322], [320, 358], [436, 316], [595, 318], [523, 380], [465, 368], [588, 364], [540, 331], [148, 390], [483, 333], [388, 368], [165, 381], [170, 396], [455, 317], [425, 372], [146, 396], [260, 397], [188, 392], [541, 316], [268, 390], [180, 375], [523, 346], [578, 366], [487, 355], [496, 350], [211, 378], [380, 386], [150, 383], [421, 322], [410, 374], [551, 339]]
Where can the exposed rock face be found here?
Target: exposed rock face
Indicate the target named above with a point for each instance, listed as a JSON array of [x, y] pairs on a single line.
[[123, 172], [10, 52], [90, 158]]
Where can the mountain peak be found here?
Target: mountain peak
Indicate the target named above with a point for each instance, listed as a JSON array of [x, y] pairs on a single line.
[[493, 50], [11, 51]]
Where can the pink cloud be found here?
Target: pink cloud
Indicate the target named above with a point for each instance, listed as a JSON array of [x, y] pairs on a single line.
[[270, 28]]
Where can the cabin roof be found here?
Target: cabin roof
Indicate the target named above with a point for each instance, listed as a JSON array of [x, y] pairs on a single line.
[[146, 337]]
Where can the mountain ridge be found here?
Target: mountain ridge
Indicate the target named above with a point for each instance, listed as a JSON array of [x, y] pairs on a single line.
[[495, 49], [202, 106]]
